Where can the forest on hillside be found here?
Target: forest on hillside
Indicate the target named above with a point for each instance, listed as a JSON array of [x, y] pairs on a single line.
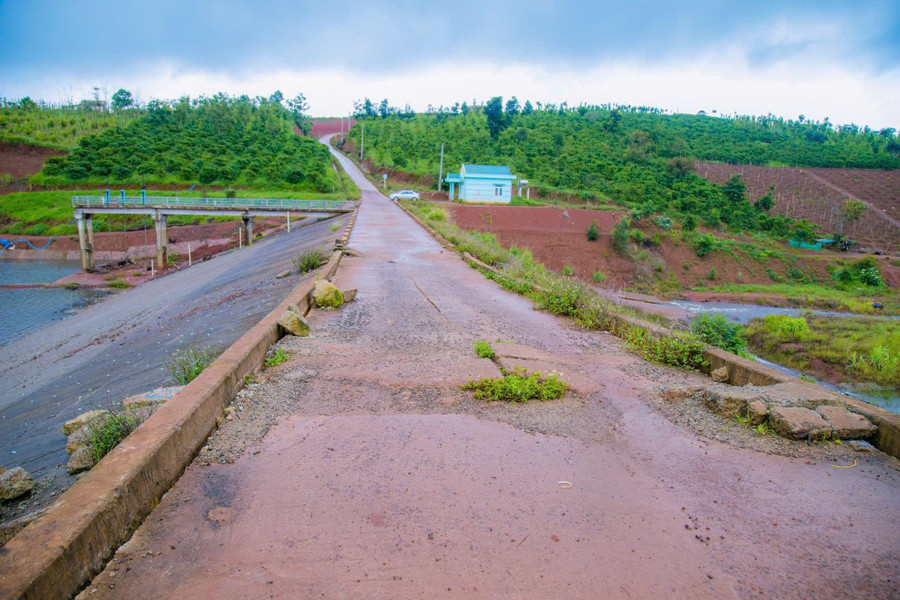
[[638, 157], [218, 140]]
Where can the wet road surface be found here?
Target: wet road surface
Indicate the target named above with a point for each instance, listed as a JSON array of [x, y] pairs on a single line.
[[119, 347], [388, 481]]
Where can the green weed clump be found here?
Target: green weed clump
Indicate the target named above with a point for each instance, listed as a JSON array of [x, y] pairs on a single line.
[[308, 261], [598, 276], [119, 284], [277, 358], [484, 350], [105, 432], [188, 362], [681, 349], [518, 386], [865, 272], [593, 232], [719, 331]]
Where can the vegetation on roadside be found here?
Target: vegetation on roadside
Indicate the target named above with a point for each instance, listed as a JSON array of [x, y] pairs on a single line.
[[681, 349], [105, 432], [309, 260], [186, 363], [278, 357], [518, 385], [857, 348], [719, 331], [484, 349]]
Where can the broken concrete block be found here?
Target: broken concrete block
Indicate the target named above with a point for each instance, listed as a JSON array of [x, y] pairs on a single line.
[[679, 393], [720, 374], [327, 295], [81, 460], [81, 420], [846, 425], [349, 295], [14, 483], [756, 412], [798, 423], [727, 400]]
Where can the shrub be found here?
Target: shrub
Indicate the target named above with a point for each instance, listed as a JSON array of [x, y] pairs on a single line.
[[790, 328], [703, 244], [689, 223], [277, 358], [772, 275], [682, 350], [518, 386], [308, 261], [567, 271], [712, 274], [188, 362], [598, 276], [719, 331], [484, 350], [620, 235], [105, 432], [593, 232], [663, 222]]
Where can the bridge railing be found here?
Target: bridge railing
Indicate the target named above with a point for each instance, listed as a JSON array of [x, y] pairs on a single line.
[[273, 204]]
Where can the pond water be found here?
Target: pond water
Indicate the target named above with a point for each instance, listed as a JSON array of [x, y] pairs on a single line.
[[24, 310]]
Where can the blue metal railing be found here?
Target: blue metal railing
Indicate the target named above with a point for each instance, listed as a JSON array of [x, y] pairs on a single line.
[[284, 204]]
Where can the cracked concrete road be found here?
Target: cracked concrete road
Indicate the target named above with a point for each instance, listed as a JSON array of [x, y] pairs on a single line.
[[382, 479]]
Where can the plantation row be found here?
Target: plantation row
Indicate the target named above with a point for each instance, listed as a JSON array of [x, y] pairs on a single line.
[[220, 140], [57, 127]]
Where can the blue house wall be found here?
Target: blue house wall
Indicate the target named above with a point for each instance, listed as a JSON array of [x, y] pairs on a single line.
[[486, 183]]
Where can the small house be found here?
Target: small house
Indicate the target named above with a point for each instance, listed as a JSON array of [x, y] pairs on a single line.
[[482, 183]]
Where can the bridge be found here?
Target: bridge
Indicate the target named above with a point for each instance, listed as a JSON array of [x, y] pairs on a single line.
[[160, 207]]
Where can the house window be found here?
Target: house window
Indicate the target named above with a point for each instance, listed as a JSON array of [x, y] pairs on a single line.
[[498, 189]]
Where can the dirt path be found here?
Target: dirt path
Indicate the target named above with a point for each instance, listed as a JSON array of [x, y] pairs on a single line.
[[380, 478]]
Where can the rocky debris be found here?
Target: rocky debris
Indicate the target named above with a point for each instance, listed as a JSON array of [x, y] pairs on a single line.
[[293, 322], [81, 460], [81, 420], [861, 446], [728, 400], [77, 439], [151, 398], [719, 375], [677, 394], [348, 251], [798, 423], [2, 470], [327, 295], [846, 425], [14, 483], [349, 295], [283, 274], [756, 412]]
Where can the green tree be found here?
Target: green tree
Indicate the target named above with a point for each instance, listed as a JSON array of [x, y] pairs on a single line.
[[512, 107], [852, 211], [122, 99], [493, 110], [298, 108], [527, 109]]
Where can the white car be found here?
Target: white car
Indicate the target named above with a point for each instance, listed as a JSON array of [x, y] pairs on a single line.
[[404, 195]]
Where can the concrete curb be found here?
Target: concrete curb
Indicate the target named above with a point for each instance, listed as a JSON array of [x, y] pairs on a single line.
[[60, 551], [741, 371]]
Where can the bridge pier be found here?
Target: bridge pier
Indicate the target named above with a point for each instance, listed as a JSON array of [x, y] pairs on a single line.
[[86, 241], [162, 241], [247, 230]]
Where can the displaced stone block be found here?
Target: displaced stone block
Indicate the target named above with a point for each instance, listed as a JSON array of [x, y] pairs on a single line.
[[81, 420], [293, 322], [798, 423], [15, 483], [327, 295], [803, 394], [349, 295], [861, 446], [81, 460], [757, 412], [77, 439], [720, 375], [728, 401], [283, 274], [846, 425], [679, 393]]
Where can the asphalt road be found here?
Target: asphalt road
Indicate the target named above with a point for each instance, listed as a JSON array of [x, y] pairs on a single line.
[[119, 347]]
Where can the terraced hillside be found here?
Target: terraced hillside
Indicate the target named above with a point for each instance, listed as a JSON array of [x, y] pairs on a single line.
[[818, 195]]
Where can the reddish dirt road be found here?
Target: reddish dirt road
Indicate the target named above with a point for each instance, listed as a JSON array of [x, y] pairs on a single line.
[[384, 480]]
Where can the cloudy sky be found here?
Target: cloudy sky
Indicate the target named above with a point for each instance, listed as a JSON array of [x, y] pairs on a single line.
[[819, 58]]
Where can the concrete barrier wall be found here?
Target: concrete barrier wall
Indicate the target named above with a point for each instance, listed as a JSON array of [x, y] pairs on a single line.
[[60, 551]]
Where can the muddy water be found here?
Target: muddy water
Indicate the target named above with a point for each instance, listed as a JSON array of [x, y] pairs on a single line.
[[27, 309]]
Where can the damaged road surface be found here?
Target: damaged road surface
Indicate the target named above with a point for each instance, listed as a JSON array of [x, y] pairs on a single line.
[[359, 469]]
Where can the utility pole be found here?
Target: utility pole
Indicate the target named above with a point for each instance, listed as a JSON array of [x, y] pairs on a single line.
[[362, 142], [441, 170]]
